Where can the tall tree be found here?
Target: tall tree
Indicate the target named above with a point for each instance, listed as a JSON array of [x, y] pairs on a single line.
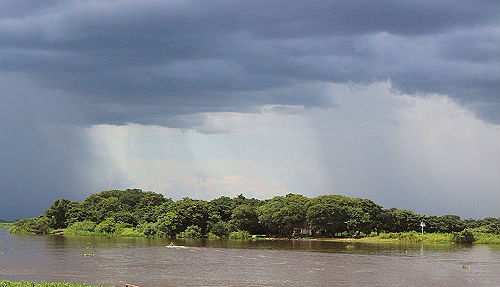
[[57, 213]]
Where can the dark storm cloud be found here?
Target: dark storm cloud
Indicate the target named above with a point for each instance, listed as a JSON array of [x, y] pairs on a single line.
[[146, 61], [163, 62], [41, 160]]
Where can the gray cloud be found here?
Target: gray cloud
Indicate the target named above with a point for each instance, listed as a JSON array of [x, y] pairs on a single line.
[[41, 159], [147, 61], [77, 63]]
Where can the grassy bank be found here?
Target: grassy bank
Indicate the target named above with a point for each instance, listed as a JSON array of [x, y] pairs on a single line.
[[5, 283], [487, 238], [414, 237], [411, 237], [123, 232], [6, 224]]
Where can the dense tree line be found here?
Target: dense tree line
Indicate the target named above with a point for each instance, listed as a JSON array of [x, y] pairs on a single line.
[[154, 215]]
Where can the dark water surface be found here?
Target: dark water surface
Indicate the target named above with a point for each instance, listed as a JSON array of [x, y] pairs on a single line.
[[147, 262]]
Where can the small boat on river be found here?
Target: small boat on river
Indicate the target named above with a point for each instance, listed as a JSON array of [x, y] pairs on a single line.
[[172, 245]]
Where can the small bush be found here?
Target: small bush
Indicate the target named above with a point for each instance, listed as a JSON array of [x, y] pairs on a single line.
[[210, 235], [239, 235], [411, 236], [193, 231], [130, 232], [221, 229], [386, 236], [86, 225], [107, 226], [36, 225], [147, 228], [465, 236], [166, 225]]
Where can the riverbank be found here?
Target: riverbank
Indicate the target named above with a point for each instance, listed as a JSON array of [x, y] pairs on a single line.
[[122, 232], [412, 237], [5, 283]]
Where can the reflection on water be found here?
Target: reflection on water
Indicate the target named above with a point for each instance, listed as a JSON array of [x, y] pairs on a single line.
[[146, 262]]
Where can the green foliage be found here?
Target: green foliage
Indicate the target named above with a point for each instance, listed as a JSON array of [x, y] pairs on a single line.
[[400, 220], [244, 217], [192, 212], [36, 225], [6, 224], [145, 214], [486, 238], [153, 213], [465, 236], [321, 217], [210, 235], [86, 225], [107, 207], [148, 199], [336, 214], [57, 213], [486, 225], [129, 206], [444, 224], [107, 226], [239, 235], [192, 231], [358, 221], [493, 227], [284, 213], [5, 283], [147, 228], [134, 212], [406, 220], [76, 213], [411, 236], [240, 199], [125, 217], [223, 207], [129, 232], [168, 225], [221, 229]]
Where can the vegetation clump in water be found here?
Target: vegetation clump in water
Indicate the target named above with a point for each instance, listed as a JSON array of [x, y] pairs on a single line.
[[36, 225], [464, 236], [192, 231], [239, 235]]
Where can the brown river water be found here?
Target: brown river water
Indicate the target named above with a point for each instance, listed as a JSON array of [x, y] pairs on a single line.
[[148, 262]]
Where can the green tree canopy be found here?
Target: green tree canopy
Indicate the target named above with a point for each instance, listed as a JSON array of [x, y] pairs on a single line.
[[282, 214]]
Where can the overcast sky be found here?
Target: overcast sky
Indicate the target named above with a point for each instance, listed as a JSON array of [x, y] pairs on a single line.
[[396, 101]]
